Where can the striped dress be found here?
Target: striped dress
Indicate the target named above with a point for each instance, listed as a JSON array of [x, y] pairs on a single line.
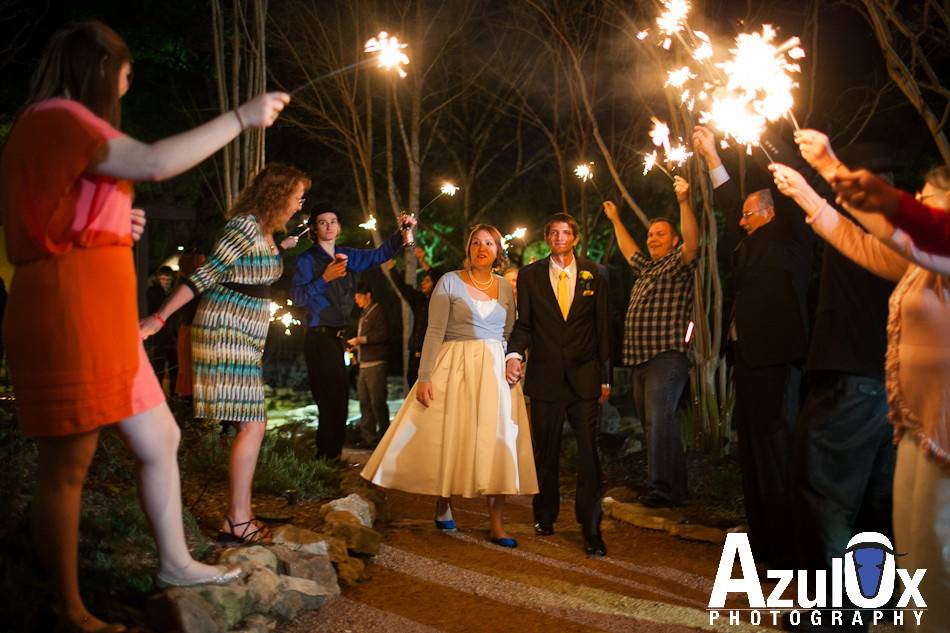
[[230, 328]]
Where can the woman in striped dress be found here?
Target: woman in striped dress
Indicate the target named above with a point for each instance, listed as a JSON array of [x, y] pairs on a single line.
[[230, 327]]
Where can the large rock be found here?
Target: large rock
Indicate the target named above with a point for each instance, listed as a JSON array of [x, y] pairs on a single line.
[[231, 602], [296, 595], [182, 609], [641, 516], [257, 623], [262, 586], [356, 505], [351, 571], [255, 554], [302, 540], [315, 567], [358, 538]]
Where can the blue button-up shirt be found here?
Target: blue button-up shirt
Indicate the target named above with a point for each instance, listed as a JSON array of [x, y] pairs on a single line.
[[331, 303]]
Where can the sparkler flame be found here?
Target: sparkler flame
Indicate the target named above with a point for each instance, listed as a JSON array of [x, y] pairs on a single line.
[[389, 52], [660, 134], [449, 189], [649, 161], [642, 35], [584, 171], [758, 88], [677, 78], [370, 224], [673, 18], [519, 233], [286, 319], [678, 155]]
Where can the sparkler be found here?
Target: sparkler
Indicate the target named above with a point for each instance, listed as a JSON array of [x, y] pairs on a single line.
[[386, 50], [758, 86], [584, 171], [650, 161], [287, 318], [517, 234], [447, 189], [370, 224], [672, 20]]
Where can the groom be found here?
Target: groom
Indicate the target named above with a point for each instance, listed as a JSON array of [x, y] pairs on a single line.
[[563, 321]]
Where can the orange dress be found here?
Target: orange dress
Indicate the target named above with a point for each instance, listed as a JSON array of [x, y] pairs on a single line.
[[71, 326]]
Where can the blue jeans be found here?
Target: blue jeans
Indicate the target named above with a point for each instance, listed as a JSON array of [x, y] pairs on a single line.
[[657, 387]]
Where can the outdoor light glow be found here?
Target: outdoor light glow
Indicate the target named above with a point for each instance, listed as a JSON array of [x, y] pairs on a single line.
[[584, 171], [449, 189], [370, 224], [519, 233], [389, 52], [181, 248]]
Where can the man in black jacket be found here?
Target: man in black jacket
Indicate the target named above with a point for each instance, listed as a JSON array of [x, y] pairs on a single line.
[[564, 322], [418, 301], [371, 343], [768, 339]]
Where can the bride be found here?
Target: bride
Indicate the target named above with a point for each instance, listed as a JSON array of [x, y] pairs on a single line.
[[463, 430]]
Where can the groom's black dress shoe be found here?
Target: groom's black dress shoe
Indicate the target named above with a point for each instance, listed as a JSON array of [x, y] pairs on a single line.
[[595, 547], [543, 529]]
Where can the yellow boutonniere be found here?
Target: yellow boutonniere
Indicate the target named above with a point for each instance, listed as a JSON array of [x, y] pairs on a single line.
[[586, 280]]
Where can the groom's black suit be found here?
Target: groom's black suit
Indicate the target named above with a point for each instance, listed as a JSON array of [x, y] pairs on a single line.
[[569, 361]]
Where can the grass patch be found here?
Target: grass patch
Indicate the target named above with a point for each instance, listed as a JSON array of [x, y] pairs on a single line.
[[286, 463]]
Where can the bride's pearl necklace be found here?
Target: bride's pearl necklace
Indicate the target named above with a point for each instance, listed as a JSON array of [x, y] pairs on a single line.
[[481, 285]]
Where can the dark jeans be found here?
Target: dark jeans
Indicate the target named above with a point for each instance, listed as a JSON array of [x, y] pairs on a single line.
[[323, 353], [374, 411], [547, 424], [657, 387], [843, 468], [843, 465], [766, 411]]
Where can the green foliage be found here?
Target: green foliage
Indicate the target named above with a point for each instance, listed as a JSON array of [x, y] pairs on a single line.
[[286, 462]]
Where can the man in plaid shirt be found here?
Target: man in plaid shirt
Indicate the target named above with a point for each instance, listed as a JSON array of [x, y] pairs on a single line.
[[656, 339]]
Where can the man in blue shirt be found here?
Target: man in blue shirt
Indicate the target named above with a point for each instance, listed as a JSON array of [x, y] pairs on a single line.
[[323, 283]]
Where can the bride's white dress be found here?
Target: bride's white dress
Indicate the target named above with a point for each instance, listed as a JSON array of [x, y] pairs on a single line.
[[474, 437]]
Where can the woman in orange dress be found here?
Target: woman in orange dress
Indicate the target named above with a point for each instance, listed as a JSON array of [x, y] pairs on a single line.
[[76, 361]]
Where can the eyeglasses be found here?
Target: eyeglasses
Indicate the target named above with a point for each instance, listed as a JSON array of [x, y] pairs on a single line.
[[751, 212]]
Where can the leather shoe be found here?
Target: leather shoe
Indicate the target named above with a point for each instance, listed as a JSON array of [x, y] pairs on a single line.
[[654, 499], [595, 547], [543, 529]]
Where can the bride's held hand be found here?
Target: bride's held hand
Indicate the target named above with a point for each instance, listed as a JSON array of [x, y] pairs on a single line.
[[424, 392]]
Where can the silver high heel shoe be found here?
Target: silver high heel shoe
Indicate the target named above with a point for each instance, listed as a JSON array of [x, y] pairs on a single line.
[[227, 576]]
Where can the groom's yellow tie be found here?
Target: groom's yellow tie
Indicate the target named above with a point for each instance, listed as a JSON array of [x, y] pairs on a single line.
[[563, 298]]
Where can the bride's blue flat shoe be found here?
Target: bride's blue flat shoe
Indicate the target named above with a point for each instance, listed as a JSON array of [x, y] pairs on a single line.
[[504, 542], [446, 526]]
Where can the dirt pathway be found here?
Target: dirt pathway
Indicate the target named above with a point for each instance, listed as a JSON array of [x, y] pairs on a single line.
[[425, 581]]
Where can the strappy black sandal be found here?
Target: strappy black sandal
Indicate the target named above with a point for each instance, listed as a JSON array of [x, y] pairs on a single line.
[[250, 532]]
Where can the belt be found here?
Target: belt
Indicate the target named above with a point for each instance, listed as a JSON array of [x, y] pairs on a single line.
[[257, 291]]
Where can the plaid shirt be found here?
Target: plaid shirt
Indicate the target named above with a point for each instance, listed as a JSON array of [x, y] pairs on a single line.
[[660, 306]]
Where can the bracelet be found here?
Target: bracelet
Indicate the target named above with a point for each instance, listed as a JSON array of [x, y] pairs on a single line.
[[160, 319], [240, 120]]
